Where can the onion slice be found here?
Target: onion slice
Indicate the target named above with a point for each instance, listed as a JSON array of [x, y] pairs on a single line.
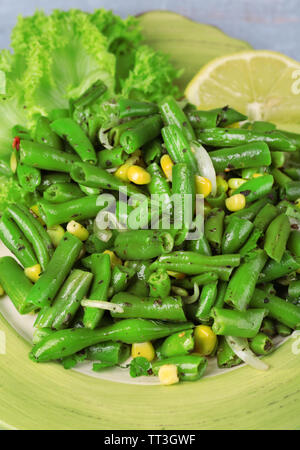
[[241, 348], [192, 298], [205, 165], [102, 305]]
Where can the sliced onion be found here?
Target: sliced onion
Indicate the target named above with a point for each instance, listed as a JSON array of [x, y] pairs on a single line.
[[205, 165], [192, 298], [99, 304], [241, 348]]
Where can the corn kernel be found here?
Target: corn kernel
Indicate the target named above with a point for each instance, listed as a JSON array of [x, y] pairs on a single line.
[[257, 175], [222, 184], [236, 202], [205, 340], [231, 192], [167, 165], [121, 172], [235, 183], [36, 213], [138, 175], [114, 260], [177, 275], [78, 230], [33, 273], [56, 234], [144, 349], [1, 291], [13, 162], [203, 185], [234, 125], [168, 374]]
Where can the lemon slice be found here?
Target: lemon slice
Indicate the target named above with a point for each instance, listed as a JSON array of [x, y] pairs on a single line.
[[262, 84]]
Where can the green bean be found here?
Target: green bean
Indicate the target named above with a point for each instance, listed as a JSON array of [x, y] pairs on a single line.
[[178, 147], [177, 344], [252, 242], [293, 172], [207, 300], [226, 357], [58, 113], [160, 284], [159, 185], [218, 201], [141, 133], [213, 228], [143, 244], [190, 367], [220, 299], [120, 278], [277, 308], [31, 233], [152, 151], [249, 172], [202, 119], [183, 190], [241, 287], [169, 309], [262, 127], [15, 284], [139, 288], [183, 257], [134, 108], [62, 192], [114, 133], [47, 286], [199, 245], [200, 280], [217, 137], [276, 237], [92, 94], [67, 302], [256, 188], [90, 191], [283, 330], [108, 352], [96, 177], [45, 135], [274, 269], [265, 216], [278, 159], [261, 344], [268, 327], [44, 157], [69, 130], [16, 242], [294, 289], [228, 322], [188, 268], [236, 233], [292, 190], [78, 209], [101, 270], [294, 137], [227, 116], [114, 157], [172, 114], [256, 154], [280, 178], [48, 179], [29, 177], [94, 245], [67, 342]]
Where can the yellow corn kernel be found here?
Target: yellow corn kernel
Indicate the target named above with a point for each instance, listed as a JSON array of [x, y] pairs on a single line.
[[33, 273], [56, 234], [78, 230], [177, 275], [235, 183], [114, 260], [167, 165], [203, 185], [122, 171], [230, 192], [36, 213], [222, 184], [236, 202], [1, 291], [13, 162], [297, 203], [257, 175], [138, 175], [144, 349], [205, 340], [168, 374]]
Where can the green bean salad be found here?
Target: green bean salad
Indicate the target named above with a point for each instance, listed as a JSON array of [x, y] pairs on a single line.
[[168, 234]]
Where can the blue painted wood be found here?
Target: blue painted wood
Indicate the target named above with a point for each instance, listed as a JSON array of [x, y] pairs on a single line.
[[265, 24]]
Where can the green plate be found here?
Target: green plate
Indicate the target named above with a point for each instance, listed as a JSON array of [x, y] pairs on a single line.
[[45, 396]]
